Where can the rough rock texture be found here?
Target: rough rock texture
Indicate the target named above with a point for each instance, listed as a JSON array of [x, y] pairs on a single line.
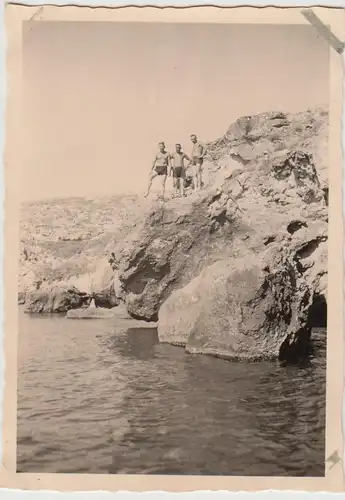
[[56, 299], [99, 286], [202, 263], [65, 242], [257, 197], [239, 308]]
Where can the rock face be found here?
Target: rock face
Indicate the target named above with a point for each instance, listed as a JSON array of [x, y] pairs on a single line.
[[65, 242], [238, 269], [102, 287], [170, 248], [239, 308], [198, 263], [57, 299], [75, 293]]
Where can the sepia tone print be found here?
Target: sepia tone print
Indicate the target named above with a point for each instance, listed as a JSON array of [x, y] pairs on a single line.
[[173, 276]]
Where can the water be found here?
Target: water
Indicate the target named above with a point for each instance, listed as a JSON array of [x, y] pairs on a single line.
[[95, 397]]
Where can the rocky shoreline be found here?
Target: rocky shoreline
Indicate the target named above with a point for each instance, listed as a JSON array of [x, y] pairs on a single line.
[[237, 270]]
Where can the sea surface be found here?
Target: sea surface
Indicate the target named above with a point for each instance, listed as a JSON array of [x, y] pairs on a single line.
[[98, 396]]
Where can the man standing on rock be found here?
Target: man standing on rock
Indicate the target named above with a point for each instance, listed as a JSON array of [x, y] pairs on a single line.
[[198, 154], [160, 166], [178, 168]]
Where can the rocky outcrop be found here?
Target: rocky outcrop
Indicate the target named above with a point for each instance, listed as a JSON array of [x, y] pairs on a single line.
[[172, 245], [244, 308], [238, 269], [65, 242], [99, 286], [182, 263], [56, 299]]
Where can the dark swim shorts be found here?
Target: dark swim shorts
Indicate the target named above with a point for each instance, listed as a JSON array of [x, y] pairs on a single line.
[[178, 172], [197, 161], [161, 170]]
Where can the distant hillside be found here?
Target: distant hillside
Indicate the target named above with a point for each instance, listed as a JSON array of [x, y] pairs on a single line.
[[62, 238]]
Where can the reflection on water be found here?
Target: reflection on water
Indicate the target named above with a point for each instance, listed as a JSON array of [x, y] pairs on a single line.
[[97, 397]]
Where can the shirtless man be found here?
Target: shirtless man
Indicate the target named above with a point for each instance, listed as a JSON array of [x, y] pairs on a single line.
[[160, 166], [178, 168], [198, 153]]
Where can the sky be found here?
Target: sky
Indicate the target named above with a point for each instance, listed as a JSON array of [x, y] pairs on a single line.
[[99, 96]]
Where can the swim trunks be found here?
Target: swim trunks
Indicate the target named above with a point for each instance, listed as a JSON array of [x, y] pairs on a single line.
[[197, 161], [161, 169], [178, 172], [162, 161]]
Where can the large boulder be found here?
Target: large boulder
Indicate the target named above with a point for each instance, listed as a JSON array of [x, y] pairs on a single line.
[[244, 308], [250, 209], [174, 243], [56, 299]]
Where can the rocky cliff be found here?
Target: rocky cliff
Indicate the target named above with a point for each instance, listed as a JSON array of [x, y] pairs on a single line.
[[238, 269], [65, 248]]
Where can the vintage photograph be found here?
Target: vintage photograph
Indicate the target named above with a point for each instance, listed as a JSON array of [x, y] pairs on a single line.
[[172, 285]]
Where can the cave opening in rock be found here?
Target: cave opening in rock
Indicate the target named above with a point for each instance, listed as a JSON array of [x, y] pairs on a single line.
[[317, 314]]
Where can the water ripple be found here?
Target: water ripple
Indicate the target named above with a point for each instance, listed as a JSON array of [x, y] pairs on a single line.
[[94, 397]]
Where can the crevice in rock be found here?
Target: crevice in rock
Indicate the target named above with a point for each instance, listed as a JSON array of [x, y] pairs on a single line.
[[296, 346], [137, 258], [237, 157], [308, 248], [214, 198], [295, 225], [139, 279], [281, 124], [317, 313], [221, 218], [269, 239], [106, 299], [325, 195], [139, 317]]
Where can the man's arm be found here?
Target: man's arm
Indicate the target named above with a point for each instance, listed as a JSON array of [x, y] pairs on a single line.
[[203, 151], [188, 158]]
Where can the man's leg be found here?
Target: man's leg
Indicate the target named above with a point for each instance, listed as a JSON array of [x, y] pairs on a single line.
[[194, 176], [182, 181], [199, 175], [164, 179], [178, 185], [151, 177], [201, 183]]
